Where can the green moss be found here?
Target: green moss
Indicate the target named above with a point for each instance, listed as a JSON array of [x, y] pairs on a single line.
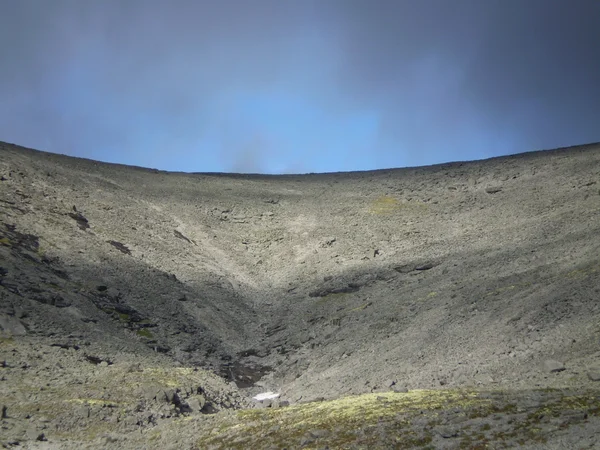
[[123, 317], [144, 332], [5, 241]]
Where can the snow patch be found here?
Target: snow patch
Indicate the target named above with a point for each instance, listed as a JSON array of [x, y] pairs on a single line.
[[265, 396]]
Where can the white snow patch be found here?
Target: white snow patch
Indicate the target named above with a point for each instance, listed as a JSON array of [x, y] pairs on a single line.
[[265, 396]]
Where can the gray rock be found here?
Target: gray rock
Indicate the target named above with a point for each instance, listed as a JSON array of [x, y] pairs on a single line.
[[12, 325], [196, 403], [277, 403], [493, 189], [448, 432], [83, 411], [149, 393], [594, 375], [169, 395], [110, 439], [312, 436], [483, 378], [573, 417], [551, 365], [306, 439], [318, 434], [34, 435], [134, 367]]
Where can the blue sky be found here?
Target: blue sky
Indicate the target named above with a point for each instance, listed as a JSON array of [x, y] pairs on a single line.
[[296, 86]]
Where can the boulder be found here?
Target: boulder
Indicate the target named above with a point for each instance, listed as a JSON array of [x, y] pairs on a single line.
[[196, 403], [551, 365], [594, 374]]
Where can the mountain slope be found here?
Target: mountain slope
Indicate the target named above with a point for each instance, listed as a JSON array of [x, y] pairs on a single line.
[[479, 274]]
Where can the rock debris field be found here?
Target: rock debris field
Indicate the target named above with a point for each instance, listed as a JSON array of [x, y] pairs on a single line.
[[454, 306]]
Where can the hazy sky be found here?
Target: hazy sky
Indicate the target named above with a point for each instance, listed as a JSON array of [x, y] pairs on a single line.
[[279, 86]]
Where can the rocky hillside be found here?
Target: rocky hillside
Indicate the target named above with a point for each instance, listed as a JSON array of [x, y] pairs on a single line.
[[135, 301]]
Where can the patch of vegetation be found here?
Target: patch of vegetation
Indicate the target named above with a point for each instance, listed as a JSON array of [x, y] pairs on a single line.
[[346, 421], [385, 205], [145, 332], [6, 340], [376, 420], [388, 205]]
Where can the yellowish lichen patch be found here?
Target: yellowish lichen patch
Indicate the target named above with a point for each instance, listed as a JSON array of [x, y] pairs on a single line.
[[362, 421], [386, 204], [340, 419]]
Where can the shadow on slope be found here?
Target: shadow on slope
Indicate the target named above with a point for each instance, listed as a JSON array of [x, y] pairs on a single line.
[[125, 304], [478, 317]]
